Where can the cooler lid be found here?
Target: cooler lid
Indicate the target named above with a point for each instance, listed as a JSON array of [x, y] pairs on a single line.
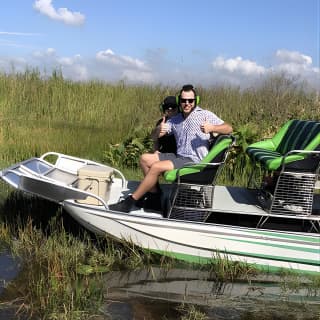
[[95, 171]]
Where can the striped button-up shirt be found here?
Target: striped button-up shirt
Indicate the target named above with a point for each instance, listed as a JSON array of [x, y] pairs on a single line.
[[191, 141]]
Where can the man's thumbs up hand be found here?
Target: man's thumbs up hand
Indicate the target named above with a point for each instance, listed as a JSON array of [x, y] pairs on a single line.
[[206, 127], [163, 127]]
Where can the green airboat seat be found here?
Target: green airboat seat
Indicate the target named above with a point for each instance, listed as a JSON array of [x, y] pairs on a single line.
[[283, 148], [205, 171]]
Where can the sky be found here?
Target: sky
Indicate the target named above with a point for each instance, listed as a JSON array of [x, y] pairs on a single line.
[[168, 42]]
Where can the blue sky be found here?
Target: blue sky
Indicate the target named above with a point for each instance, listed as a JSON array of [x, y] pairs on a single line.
[[205, 42]]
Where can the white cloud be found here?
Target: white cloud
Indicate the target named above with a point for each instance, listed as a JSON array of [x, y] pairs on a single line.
[[156, 68], [243, 73], [13, 64], [66, 61], [50, 52], [71, 67], [138, 76], [10, 43], [108, 56], [106, 66], [131, 69], [295, 57], [76, 71], [6, 43], [18, 33], [238, 65], [294, 63], [62, 14]]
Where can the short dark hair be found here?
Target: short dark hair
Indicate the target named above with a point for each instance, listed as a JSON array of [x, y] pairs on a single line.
[[188, 87]]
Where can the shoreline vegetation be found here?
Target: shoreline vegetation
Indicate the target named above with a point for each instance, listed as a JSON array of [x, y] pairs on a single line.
[[109, 123]]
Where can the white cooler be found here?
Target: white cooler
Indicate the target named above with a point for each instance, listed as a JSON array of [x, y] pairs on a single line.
[[96, 180]]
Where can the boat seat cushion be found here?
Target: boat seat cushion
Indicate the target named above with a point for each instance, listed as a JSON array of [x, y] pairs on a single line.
[[294, 135], [203, 172]]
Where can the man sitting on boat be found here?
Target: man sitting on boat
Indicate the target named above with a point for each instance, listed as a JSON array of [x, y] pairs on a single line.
[[191, 129], [167, 143]]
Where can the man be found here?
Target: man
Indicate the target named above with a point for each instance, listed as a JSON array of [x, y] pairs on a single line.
[[166, 143], [191, 129]]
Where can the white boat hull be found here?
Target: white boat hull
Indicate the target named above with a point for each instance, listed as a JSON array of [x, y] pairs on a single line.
[[200, 242]]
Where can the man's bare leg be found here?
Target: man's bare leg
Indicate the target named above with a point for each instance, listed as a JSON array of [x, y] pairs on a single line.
[[150, 180], [147, 160], [147, 184]]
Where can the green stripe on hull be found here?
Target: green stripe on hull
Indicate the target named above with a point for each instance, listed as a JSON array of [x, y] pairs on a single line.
[[183, 256], [275, 258], [204, 260], [281, 246], [288, 236]]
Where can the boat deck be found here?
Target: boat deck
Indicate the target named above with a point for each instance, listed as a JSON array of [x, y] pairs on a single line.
[[245, 202]]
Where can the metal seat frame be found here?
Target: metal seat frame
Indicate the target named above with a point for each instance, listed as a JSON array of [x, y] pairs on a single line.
[[193, 201]]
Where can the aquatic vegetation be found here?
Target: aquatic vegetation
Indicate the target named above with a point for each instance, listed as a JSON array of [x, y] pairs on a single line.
[[61, 273], [49, 282], [110, 123], [191, 312], [292, 282], [126, 154], [223, 269]]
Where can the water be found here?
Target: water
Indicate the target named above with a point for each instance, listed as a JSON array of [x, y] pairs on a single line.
[[156, 294], [9, 270]]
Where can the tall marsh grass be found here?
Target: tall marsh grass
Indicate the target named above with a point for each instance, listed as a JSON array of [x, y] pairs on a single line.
[[83, 119]]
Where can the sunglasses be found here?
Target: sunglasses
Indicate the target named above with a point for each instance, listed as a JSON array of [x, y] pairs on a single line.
[[182, 100]]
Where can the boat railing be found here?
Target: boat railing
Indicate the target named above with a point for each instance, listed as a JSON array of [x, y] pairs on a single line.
[[315, 168], [54, 176], [314, 220], [71, 164], [49, 189]]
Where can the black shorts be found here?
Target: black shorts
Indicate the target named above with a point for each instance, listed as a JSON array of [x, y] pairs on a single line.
[[178, 161]]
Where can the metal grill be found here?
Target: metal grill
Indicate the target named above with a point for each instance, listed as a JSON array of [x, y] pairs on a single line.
[[294, 193], [191, 202]]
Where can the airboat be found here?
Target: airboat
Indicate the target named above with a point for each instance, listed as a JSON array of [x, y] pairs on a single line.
[[273, 226]]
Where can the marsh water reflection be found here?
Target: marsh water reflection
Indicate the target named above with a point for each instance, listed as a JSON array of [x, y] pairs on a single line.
[[9, 268], [155, 288], [157, 294]]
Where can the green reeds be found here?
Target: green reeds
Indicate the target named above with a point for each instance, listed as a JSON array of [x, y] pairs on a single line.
[[84, 118], [191, 312], [49, 283], [61, 274]]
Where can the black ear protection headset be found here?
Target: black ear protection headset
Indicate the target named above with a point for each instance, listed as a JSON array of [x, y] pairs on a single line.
[[188, 87], [169, 101]]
